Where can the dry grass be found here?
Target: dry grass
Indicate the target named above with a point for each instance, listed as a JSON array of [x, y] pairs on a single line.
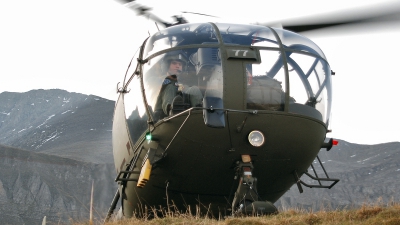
[[368, 214]]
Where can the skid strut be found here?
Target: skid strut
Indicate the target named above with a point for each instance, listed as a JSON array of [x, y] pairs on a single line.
[[246, 200]]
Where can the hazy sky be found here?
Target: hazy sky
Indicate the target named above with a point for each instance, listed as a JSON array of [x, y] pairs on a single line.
[[85, 46]]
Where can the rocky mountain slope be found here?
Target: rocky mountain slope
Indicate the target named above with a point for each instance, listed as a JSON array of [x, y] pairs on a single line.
[[58, 122], [367, 173], [34, 185]]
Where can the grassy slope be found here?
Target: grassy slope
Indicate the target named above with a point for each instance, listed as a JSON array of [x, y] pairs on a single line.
[[372, 214]]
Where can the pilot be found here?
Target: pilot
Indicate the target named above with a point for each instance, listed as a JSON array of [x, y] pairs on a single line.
[[174, 93]]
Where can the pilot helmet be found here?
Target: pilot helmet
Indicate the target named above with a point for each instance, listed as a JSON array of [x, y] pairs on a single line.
[[174, 56]]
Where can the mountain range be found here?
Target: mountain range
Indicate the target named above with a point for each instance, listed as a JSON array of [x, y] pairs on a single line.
[[54, 144], [58, 122]]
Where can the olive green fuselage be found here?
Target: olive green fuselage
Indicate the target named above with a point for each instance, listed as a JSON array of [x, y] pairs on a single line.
[[198, 167]]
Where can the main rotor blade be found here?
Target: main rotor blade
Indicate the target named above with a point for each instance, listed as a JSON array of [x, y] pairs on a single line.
[[315, 26], [380, 13], [143, 11], [201, 14]]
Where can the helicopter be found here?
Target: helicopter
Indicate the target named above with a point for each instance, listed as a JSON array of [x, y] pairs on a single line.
[[263, 116]]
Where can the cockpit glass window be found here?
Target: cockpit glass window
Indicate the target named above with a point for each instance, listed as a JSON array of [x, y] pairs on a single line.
[[135, 111], [132, 66], [295, 41], [309, 79], [264, 38], [309, 84], [189, 74], [266, 82], [185, 34], [247, 35]]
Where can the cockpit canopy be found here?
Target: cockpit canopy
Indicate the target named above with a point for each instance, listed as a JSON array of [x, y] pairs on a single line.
[[247, 67], [231, 34]]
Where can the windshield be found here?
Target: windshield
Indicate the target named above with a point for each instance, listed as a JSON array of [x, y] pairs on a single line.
[[135, 109], [186, 34], [187, 75], [247, 35], [309, 84], [284, 71], [296, 41]]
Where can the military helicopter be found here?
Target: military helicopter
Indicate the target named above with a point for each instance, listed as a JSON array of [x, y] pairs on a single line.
[[223, 117]]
